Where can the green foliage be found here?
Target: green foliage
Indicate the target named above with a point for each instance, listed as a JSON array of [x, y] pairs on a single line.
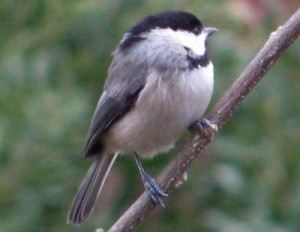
[[54, 57]]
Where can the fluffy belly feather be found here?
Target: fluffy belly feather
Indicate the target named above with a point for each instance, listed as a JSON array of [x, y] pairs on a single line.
[[164, 109]]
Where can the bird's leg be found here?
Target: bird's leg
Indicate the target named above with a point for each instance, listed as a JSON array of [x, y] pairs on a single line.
[[203, 126], [155, 192]]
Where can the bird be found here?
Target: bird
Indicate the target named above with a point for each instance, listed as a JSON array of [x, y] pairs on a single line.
[[158, 85]]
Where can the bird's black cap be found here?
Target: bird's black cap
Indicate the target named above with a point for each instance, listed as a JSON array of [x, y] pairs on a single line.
[[176, 20]]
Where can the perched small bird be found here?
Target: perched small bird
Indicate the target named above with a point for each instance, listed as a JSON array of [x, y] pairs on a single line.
[[158, 85]]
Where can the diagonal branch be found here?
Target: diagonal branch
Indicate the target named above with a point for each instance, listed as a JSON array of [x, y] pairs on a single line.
[[278, 42]]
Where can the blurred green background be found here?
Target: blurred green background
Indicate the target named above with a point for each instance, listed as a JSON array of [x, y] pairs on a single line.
[[54, 57]]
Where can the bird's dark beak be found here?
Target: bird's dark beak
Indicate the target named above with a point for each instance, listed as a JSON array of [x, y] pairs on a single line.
[[210, 30]]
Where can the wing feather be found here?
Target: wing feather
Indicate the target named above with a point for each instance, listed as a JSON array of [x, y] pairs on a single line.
[[123, 85]]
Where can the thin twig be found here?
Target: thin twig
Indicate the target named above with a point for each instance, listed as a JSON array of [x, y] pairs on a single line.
[[278, 42]]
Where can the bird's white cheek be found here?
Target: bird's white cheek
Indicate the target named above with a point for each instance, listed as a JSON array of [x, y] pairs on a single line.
[[194, 42], [198, 48], [198, 44]]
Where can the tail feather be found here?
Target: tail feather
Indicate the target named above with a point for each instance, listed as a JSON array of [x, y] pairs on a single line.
[[90, 188]]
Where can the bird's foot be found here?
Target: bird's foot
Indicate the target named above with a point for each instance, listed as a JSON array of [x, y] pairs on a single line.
[[153, 189], [155, 192], [204, 127]]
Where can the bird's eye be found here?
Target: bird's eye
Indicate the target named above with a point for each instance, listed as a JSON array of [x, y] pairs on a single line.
[[196, 30]]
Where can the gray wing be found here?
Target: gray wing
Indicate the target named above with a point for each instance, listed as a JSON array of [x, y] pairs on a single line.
[[124, 83]]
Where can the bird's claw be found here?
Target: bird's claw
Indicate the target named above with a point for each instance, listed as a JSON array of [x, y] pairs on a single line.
[[154, 191], [204, 126]]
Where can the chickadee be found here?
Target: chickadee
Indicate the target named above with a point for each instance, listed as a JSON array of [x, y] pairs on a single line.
[[159, 84]]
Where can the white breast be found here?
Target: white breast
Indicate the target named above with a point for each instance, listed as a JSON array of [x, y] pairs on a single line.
[[167, 105]]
